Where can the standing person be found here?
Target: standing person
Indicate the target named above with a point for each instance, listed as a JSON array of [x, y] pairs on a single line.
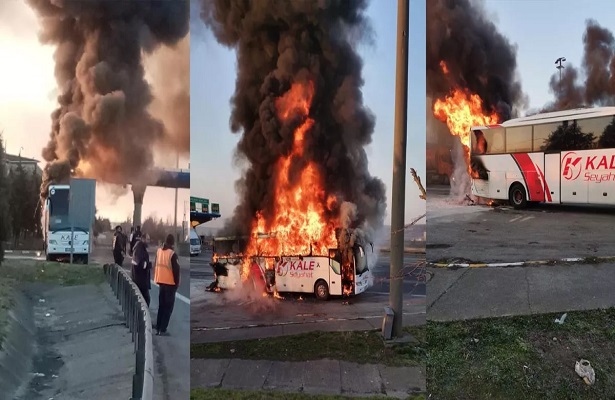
[[119, 246], [133, 240], [129, 239], [166, 275], [140, 268]]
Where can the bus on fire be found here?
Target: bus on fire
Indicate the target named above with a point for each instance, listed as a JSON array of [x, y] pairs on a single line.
[[336, 274], [565, 157]]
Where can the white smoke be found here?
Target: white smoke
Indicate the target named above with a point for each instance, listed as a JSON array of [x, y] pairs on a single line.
[[461, 183]]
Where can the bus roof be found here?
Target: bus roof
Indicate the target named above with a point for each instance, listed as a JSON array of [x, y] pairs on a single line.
[[59, 187], [551, 117]]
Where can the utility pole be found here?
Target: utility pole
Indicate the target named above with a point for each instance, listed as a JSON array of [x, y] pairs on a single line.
[[399, 168], [175, 213], [559, 62]]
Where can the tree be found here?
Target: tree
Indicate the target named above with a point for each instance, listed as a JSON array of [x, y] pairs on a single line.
[[101, 225], [4, 201], [568, 136], [607, 139], [20, 203]]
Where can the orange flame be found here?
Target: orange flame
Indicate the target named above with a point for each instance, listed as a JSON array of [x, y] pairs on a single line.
[[461, 111], [444, 67], [299, 223]]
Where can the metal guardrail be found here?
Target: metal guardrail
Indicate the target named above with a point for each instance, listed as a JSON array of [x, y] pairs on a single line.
[[138, 321]]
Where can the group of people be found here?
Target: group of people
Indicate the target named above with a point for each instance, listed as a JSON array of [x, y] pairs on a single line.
[[165, 266]]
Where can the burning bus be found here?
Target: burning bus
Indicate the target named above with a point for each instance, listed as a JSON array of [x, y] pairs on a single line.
[[344, 271]]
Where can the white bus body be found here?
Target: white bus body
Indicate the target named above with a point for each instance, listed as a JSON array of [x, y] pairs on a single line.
[[57, 230], [524, 160], [321, 275]]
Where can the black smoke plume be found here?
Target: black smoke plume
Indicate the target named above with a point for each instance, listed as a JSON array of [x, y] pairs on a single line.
[[478, 57], [281, 42], [598, 88], [102, 116]]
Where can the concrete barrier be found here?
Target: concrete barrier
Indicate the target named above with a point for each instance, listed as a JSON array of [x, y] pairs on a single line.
[[139, 322]]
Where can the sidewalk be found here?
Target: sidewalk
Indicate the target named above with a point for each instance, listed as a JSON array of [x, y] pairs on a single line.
[[84, 350], [471, 293], [313, 377]]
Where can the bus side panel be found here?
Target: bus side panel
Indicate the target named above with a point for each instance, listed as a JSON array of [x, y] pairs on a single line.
[[573, 184], [600, 182], [552, 177], [531, 166]]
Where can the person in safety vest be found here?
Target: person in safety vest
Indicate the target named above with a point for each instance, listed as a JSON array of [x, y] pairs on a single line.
[[166, 275]]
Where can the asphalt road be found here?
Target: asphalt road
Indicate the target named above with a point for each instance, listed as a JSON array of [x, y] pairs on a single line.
[[172, 353], [102, 254], [481, 233], [236, 315]]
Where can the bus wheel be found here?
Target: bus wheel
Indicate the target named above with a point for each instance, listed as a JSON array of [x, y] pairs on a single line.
[[321, 290], [517, 196]]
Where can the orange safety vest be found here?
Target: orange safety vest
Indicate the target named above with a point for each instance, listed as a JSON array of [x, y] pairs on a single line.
[[164, 268]]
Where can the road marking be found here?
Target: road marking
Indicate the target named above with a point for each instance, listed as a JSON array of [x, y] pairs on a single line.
[[179, 296], [589, 260], [227, 328], [526, 219], [515, 219]]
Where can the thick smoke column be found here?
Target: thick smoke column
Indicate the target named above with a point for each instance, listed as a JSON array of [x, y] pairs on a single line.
[[281, 42], [102, 127], [598, 89], [478, 57]]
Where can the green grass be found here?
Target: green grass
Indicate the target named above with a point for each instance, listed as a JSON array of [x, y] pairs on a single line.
[[360, 347], [6, 303], [528, 357], [51, 273], [224, 394]]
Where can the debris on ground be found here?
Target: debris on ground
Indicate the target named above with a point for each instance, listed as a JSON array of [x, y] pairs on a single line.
[[584, 369], [561, 319]]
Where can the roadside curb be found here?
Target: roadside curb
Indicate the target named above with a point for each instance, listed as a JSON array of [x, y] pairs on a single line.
[[569, 260], [37, 252]]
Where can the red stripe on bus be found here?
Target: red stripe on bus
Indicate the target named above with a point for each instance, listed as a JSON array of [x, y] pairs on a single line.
[[528, 169], [494, 126], [546, 185]]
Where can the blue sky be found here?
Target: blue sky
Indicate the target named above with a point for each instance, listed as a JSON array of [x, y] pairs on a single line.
[[212, 74], [545, 30]]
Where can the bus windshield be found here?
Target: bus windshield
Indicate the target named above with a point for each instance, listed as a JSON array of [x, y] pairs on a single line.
[[58, 209], [360, 260]]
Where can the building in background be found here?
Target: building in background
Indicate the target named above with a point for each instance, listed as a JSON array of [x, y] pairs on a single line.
[[28, 164]]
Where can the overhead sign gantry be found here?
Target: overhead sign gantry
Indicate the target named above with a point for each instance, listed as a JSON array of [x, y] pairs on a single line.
[[201, 211]]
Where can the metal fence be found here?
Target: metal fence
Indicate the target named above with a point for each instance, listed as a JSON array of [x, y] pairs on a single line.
[[138, 320]]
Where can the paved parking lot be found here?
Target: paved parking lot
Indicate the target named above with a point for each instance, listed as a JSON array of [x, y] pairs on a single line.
[[485, 234]]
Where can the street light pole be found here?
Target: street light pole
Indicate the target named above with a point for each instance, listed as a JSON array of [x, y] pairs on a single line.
[[399, 168], [175, 213], [559, 62]]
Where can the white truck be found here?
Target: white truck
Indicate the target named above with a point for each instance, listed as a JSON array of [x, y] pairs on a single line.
[[57, 229], [195, 243], [338, 273]]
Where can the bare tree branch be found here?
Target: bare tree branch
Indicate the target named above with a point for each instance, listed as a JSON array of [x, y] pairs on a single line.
[[423, 194]]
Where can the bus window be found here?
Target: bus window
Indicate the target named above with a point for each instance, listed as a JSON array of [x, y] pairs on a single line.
[[496, 139], [541, 135], [360, 261], [58, 209], [519, 139], [479, 143], [603, 129], [568, 135]]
